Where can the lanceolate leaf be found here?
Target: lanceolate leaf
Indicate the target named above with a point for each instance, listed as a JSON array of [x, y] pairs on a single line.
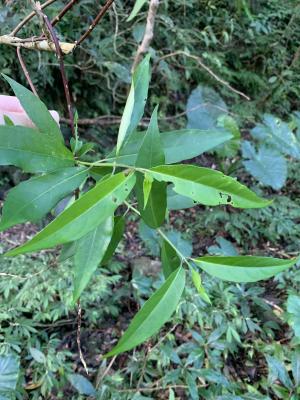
[[207, 186], [137, 6], [150, 155], [119, 228], [178, 145], [243, 268], [154, 313], [32, 199], [36, 110], [32, 151], [82, 216], [169, 258], [89, 253], [136, 101], [197, 281]]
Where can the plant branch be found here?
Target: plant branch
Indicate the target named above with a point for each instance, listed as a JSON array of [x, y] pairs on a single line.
[[25, 71], [35, 44], [67, 7], [49, 29], [95, 22], [148, 35], [207, 69]]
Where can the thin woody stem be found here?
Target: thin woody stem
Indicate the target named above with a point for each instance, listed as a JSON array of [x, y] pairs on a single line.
[[62, 70], [25, 71], [101, 14], [67, 7]]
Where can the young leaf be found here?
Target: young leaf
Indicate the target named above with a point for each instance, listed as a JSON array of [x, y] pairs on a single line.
[[169, 258], [119, 228], [137, 6], [90, 251], [178, 145], [150, 155], [147, 185], [33, 199], [28, 149], [84, 215], [154, 313], [207, 186], [36, 110], [136, 101], [196, 278], [243, 268]]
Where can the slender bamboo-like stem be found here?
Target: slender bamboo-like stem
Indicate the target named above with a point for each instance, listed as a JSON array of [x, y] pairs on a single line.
[[95, 22]]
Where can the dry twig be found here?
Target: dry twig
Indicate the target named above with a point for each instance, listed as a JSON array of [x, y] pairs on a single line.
[[206, 68]]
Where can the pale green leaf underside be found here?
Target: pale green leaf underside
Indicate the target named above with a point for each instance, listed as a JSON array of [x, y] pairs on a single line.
[[32, 151], [154, 313], [82, 216], [89, 253], [207, 186], [243, 268], [9, 371], [33, 199]]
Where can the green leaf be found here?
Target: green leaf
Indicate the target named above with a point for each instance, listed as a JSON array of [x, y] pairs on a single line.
[[36, 110], [178, 145], [135, 103], [204, 107], [28, 149], [8, 121], [136, 8], [169, 258], [154, 313], [207, 186], [196, 278], [37, 355], [266, 165], [147, 185], [33, 199], [293, 308], [119, 228], [296, 367], [243, 268], [89, 253], [150, 155], [9, 371], [84, 215], [82, 385], [277, 371], [176, 201], [275, 133]]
